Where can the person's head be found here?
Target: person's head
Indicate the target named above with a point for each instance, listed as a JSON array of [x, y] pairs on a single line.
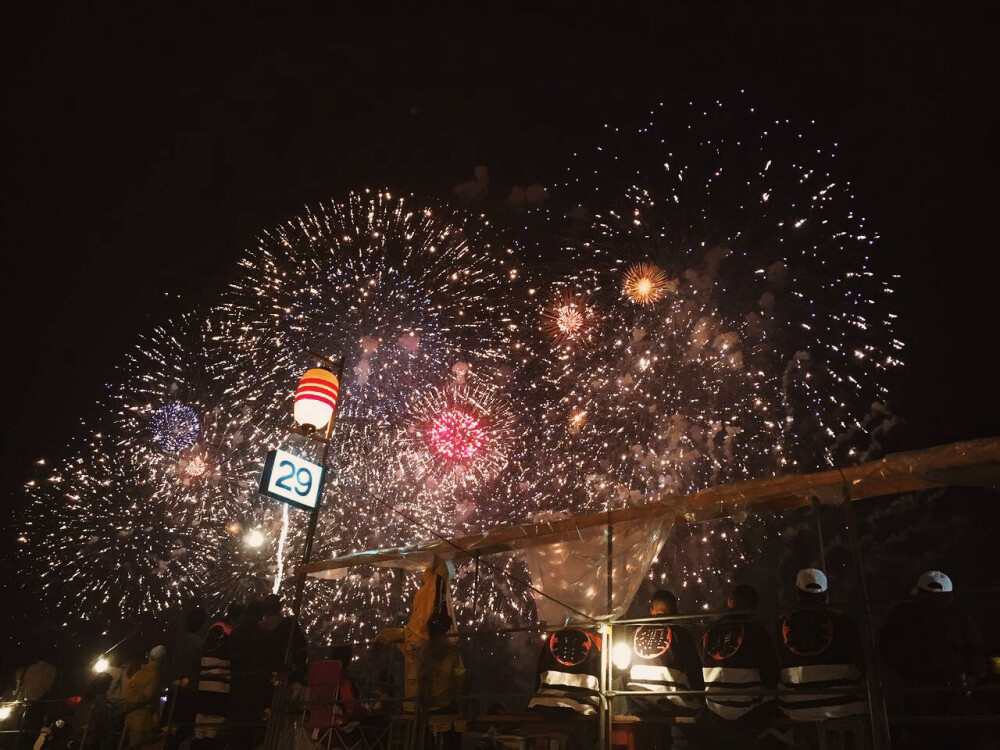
[[933, 584], [194, 619], [272, 605], [811, 585], [743, 596], [158, 654], [662, 604]]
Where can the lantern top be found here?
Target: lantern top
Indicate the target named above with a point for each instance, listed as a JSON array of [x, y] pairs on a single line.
[[316, 398]]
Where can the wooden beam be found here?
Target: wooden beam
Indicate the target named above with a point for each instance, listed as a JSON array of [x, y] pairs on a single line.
[[972, 463]]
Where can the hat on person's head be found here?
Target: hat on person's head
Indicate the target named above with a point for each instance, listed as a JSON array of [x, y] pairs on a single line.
[[159, 653], [811, 581], [934, 581]]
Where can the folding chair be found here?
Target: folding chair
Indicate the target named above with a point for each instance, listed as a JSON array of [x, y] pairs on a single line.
[[373, 726], [324, 722]]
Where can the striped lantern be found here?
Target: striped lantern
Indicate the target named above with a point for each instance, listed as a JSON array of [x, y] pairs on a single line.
[[316, 398]]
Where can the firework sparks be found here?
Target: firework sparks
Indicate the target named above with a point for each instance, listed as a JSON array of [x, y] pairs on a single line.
[[403, 292], [646, 283], [176, 419], [175, 426], [712, 325], [458, 435], [758, 359], [111, 547], [568, 319]]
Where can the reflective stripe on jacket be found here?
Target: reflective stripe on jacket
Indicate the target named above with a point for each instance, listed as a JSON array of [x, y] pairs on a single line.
[[665, 661], [657, 679], [579, 692], [215, 674], [801, 698], [739, 665], [569, 669], [732, 692]]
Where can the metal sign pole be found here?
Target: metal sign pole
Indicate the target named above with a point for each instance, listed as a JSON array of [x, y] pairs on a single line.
[[283, 692]]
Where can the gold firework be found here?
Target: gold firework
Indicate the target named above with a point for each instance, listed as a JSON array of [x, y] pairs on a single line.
[[646, 283], [567, 318]]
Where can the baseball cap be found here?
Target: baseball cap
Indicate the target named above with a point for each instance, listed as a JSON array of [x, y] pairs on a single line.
[[934, 581], [811, 580]]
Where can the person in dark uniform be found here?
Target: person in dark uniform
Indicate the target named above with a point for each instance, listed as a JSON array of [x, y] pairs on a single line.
[[249, 680], [739, 665], [818, 647], [568, 681], [212, 697], [664, 661], [937, 649]]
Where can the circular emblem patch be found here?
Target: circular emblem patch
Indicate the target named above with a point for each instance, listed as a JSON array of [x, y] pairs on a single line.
[[807, 632], [723, 639], [652, 641], [570, 647]]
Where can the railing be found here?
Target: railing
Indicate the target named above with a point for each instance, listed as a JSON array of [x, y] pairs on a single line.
[[498, 684]]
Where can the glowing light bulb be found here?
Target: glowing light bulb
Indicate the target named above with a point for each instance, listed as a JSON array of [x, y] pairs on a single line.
[[622, 655]]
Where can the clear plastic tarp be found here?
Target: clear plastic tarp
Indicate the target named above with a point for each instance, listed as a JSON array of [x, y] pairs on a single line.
[[572, 575]]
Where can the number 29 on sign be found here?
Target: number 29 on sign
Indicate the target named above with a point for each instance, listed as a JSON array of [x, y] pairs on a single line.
[[291, 479]]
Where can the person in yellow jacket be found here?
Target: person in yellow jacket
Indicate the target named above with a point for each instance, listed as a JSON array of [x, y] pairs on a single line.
[[431, 658], [141, 693]]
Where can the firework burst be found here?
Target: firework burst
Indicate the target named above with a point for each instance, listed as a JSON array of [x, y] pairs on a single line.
[[405, 293], [746, 350], [646, 283], [455, 436], [713, 322], [175, 417], [569, 319], [110, 546]]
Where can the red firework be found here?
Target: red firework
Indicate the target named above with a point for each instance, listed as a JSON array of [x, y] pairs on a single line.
[[456, 435]]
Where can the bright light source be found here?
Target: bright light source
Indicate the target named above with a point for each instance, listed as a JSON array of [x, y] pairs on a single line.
[[5, 712], [622, 655], [101, 665], [254, 539]]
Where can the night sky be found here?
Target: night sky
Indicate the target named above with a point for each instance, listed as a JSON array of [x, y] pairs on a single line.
[[145, 147]]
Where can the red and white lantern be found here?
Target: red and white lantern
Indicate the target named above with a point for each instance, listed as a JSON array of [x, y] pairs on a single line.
[[316, 398]]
